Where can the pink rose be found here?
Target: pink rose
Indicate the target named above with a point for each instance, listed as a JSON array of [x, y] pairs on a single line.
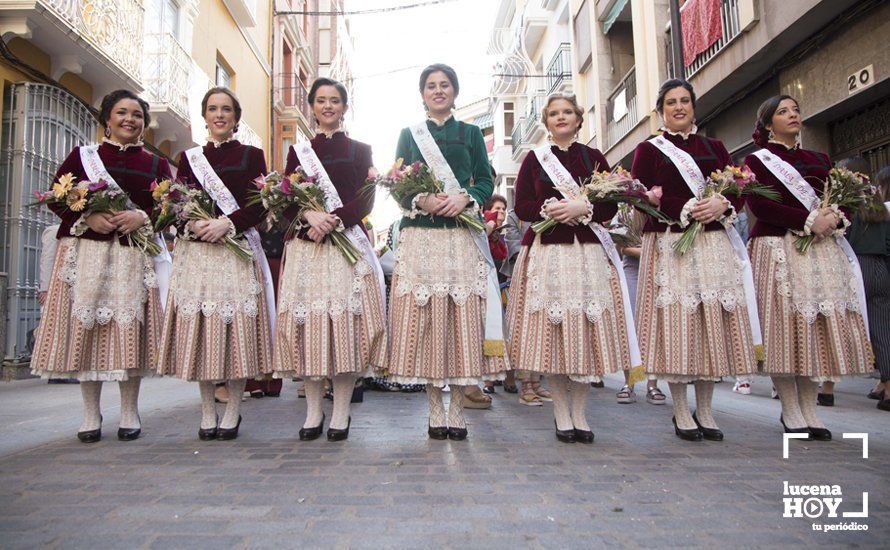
[[285, 186]]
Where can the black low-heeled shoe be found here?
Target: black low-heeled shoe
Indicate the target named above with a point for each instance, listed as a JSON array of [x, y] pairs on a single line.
[[687, 435], [583, 436], [437, 432], [711, 434], [308, 434], [820, 434], [226, 434], [207, 434], [335, 434], [129, 434], [457, 434], [91, 436], [794, 430], [566, 436]]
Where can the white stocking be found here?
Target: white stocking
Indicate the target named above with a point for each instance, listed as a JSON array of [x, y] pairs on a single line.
[[704, 395], [92, 416], [681, 406], [578, 391], [130, 403], [208, 405], [344, 384], [807, 390], [456, 407], [314, 397], [559, 389], [233, 407], [786, 387], [437, 406]]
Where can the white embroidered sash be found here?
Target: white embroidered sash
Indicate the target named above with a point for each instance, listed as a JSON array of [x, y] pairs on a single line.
[[314, 168], [806, 196], [695, 180], [563, 181], [226, 202], [494, 327], [96, 171]]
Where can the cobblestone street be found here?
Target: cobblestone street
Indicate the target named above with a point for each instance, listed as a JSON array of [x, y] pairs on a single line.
[[511, 484]]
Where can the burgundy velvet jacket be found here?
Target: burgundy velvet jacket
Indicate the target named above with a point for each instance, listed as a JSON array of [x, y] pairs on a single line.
[[534, 186], [237, 165], [652, 168], [134, 170], [347, 163], [774, 219]]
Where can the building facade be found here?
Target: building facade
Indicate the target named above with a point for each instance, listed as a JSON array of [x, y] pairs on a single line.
[[60, 57], [311, 39]]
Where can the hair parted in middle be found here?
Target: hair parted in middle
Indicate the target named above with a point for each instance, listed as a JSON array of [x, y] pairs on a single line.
[[450, 74], [669, 85], [322, 81], [236, 105], [573, 101]]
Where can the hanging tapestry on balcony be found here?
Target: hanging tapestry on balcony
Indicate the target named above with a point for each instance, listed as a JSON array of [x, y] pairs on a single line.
[[702, 26]]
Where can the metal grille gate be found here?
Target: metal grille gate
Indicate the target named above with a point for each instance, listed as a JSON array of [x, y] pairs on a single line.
[[41, 124]]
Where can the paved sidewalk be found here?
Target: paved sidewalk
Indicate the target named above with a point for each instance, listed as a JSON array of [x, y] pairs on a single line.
[[510, 485]]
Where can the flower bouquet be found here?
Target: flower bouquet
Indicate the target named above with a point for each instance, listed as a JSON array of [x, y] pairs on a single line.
[[177, 203], [405, 182], [87, 198], [278, 193], [845, 189], [626, 228], [732, 180], [617, 186]]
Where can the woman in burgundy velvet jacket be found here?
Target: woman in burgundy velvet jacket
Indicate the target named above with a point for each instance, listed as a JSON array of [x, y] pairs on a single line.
[[811, 315], [101, 323], [331, 321], [692, 316], [217, 325], [565, 314]]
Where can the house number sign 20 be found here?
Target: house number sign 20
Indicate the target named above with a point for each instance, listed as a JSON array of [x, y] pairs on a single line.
[[862, 78]]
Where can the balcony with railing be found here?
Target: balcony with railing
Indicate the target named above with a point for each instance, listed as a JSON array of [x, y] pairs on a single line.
[[731, 27], [292, 98], [559, 70], [622, 109], [529, 131], [516, 136], [165, 72]]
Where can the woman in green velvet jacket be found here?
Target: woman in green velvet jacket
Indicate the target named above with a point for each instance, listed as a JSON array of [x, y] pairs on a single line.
[[440, 333]]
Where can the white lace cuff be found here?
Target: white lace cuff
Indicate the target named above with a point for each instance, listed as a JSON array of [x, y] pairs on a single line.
[[586, 219], [80, 226], [548, 202], [416, 210], [845, 223], [472, 206], [729, 215], [340, 227], [146, 220], [686, 213], [808, 225]]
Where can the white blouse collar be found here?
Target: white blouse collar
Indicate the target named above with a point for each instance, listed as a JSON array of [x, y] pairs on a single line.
[[217, 144], [440, 124], [684, 135], [793, 148], [122, 146]]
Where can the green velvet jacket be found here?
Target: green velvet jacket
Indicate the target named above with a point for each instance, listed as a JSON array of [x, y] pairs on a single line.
[[464, 149]]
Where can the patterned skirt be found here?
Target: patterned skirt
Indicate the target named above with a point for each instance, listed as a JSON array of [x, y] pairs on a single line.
[[566, 315], [692, 318], [216, 324], [437, 310], [102, 317], [809, 310], [330, 315]]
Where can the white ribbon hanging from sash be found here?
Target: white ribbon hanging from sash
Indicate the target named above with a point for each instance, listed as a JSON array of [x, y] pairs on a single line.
[[314, 168], [494, 328], [563, 182], [226, 202], [695, 180], [806, 196], [96, 171]]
